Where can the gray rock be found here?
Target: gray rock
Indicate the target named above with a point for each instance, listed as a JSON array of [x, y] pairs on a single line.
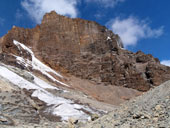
[[150, 110]]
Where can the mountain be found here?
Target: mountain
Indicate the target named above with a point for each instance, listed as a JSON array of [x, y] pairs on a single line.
[[86, 50], [69, 68]]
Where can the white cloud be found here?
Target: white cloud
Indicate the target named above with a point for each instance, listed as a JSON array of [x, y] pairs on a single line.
[[131, 30], [106, 3], [37, 8], [166, 62]]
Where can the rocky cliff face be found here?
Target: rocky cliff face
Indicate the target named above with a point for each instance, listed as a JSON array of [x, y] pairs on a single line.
[[86, 50]]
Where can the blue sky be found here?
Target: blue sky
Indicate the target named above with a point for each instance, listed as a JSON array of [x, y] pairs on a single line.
[[142, 24]]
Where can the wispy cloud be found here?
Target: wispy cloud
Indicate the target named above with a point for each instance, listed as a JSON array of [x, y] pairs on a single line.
[[37, 8], [131, 30], [106, 3], [166, 62], [18, 14], [2, 21]]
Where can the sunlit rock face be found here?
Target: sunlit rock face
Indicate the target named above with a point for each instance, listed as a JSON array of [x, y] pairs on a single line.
[[86, 50], [59, 33]]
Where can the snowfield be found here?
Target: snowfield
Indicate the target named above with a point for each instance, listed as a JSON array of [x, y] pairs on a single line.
[[58, 106]]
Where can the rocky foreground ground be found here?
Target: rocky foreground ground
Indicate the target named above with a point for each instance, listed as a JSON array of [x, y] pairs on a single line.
[[151, 110]]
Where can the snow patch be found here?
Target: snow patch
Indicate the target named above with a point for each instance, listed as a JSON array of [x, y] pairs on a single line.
[[19, 45], [36, 64], [67, 113], [108, 38], [42, 83], [16, 79], [57, 105], [20, 60], [62, 107]]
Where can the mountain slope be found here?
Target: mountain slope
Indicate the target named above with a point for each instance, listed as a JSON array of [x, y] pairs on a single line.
[[149, 110], [26, 98]]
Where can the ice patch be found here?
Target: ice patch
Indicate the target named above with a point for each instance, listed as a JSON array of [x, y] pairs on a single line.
[[36, 64], [42, 83], [57, 105], [66, 113], [62, 107], [16, 79]]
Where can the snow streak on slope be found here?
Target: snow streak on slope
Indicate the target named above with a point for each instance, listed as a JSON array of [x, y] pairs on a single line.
[[36, 64], [43, 84], [15, 79], [56, 105]]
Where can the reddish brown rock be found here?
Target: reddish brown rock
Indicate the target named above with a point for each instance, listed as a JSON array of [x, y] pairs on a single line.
[[87, 50]]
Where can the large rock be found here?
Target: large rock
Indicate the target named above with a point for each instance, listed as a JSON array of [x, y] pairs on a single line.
[[86, 50]]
